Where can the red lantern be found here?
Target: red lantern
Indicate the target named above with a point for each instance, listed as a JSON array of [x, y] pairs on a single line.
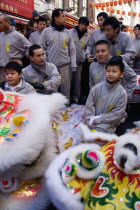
[[107, 4], [100, 5], [134, 14], [123, 12], [103, 4], [124, 1], [92, 5], [113, 10], [120, 2], [107, 9], [111, 3], [115, 3], [118, 11], [102, 8], [139, 14], [129, 13], [129, 1], [96, 5]]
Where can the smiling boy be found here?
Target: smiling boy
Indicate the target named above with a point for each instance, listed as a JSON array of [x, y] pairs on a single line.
[[14, 81]]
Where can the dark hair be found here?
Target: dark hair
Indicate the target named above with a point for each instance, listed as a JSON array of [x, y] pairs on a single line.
[[100, 42], [56, 13], [113, 22], [20, 29], [41, 19], [15, 66], [137, 26], [116, 61], [104, 14], [32, 48], [123, 27], [84, 20]]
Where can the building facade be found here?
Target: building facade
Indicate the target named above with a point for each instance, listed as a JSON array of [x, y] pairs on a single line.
[[74, 8]]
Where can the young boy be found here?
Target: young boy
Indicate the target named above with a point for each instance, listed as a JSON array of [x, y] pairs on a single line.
[[14, 81], [106, 103]]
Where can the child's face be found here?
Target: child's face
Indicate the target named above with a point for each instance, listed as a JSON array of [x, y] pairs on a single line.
[[12, 77], [113, 74]]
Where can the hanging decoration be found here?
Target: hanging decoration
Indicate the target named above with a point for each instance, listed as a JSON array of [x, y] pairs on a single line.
[[111, 3], [107, 9], [107, 4], [115, 3], [125, 1], [134, 14]]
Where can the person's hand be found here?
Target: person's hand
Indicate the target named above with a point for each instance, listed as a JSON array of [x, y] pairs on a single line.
[[73, 69], [90, 58], [37, 85], [92, 119]]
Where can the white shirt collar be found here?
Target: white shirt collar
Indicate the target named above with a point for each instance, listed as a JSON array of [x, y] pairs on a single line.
[[12, 88]]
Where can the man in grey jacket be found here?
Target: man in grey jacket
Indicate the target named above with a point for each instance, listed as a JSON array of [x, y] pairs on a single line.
[[35, 36], [81, 38], [97, 69], [60, 49], [96, 36], [43, 76], [120, 42], [12, 44]]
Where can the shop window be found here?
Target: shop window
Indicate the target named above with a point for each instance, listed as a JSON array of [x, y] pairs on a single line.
[[59, 4], [85, 7], [74, 5]]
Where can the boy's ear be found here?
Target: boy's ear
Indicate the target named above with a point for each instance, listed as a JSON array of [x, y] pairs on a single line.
[[122, 75], [20, 75]]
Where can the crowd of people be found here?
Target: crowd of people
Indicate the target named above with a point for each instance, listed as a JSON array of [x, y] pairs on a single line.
[[57, 57]]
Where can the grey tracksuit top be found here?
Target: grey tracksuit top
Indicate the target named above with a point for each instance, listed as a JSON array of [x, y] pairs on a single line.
[[59, 47], [136, 42], [95, 36], [80, 44], [25, 88], [97, 75], [48, 76], [123, 46], [12, 45], [109, 101], [35, 37]]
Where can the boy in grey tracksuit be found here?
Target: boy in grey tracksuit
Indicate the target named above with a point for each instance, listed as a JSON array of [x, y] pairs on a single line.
[[60, 49], [23, 87], [35, 36], [12, 44], [97, 75], [97, 69], [81, 38], [14, 81], [106, 103]]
